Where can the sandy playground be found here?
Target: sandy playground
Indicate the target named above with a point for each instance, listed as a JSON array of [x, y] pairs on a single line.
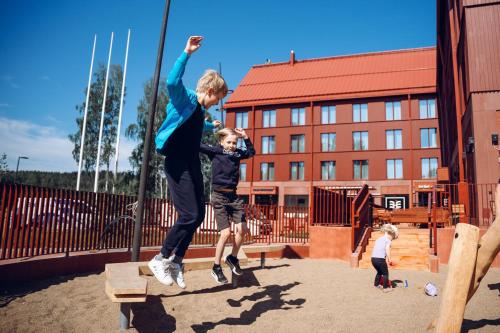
[[290, 295]]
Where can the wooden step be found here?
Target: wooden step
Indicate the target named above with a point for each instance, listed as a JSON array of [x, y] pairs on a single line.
[[409, 251], [402, 251], [418, 267], [402, 234]]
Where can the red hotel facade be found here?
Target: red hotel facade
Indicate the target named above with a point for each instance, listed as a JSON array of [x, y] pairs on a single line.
[[343, 122]]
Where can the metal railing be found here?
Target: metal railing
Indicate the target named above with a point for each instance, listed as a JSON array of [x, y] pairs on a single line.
[[331, 206]]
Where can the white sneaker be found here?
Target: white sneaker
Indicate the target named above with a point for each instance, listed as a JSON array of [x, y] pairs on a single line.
[[161, 270], [178, 274]]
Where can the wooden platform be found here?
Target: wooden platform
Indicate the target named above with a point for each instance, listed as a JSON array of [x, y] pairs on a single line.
[[409, 251]]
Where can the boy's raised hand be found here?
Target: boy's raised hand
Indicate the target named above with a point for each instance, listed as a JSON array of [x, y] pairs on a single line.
[[241, 132], [216, 123], [193, 44]]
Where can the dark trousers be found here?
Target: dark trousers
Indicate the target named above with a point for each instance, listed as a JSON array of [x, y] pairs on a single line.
[[382, 271], [185, 183]]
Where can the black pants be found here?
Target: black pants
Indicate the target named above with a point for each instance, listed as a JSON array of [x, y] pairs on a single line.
[[382, 271], [185, 183]]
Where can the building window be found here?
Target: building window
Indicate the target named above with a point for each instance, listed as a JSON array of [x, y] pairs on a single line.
[[243, 172], [429, 168], [394, 139], [268, 145], [297, 170], [428, 138], [395, 169], [328, 170], [360, 140], [241, 120], [359, 112], [269, 118], [298, 116], [296, 201], [241, 143], [328, 141], [427, 108], [267, 171], [328, 114], [297, 143], [360, 169], [393, 111]]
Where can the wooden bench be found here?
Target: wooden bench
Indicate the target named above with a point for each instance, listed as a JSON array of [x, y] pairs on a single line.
[[419, 216], [124, 284], [262, 249]]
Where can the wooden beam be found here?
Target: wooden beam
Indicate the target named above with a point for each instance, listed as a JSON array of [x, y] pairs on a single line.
[[460, 269], [489, 246]]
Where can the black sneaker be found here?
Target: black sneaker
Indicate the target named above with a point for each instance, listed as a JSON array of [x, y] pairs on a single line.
[[218, 275], [234, 264]]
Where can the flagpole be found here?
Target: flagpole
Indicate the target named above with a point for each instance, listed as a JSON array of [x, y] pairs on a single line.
[[102, 117], [84, 127], [117, 148]]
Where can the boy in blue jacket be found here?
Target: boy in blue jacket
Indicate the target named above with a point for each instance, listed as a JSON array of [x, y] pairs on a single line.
[[225, 177], [179, 140]]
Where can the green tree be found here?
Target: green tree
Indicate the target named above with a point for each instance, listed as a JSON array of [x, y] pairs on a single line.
[[3, 167], [94, 121], [206, 165], [137, 132]]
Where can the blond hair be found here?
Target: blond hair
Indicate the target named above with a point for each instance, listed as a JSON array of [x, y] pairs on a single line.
[[211, 80], [391, 230], [223, 133]]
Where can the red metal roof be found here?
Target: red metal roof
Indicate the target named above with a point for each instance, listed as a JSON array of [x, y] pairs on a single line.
[[353, 76]]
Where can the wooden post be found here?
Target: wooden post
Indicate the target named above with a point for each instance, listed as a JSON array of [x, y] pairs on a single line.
[[124, 316], [460, 268], [489, 246]]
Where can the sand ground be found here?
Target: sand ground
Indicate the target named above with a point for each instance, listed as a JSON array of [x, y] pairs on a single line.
[[290, 295]]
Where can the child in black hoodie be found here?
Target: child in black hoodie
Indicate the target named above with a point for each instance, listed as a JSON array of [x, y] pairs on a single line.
[[225, 176]]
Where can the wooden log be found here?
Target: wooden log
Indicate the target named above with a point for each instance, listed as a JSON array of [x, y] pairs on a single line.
[[489, 246], [460, 268], [262, 248]]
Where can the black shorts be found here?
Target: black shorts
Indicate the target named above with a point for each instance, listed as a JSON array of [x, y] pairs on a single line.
[[227, 205]]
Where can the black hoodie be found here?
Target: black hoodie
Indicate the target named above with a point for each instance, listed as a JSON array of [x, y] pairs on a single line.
[[226, 164]]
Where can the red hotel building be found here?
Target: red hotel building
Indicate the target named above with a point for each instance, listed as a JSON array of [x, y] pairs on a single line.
[[340, 121], [468, 74]]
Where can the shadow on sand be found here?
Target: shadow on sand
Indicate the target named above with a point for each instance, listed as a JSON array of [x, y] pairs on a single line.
[[271, 299]]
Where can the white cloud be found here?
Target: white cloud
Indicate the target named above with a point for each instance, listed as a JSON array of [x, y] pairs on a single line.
[[48, 148], [5, 105], [9, 80]]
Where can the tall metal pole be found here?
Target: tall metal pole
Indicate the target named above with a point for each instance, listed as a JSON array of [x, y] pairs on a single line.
[[84, 127], [147, 139], [117, 148], [102, 117], [220, 101], [17, 168]]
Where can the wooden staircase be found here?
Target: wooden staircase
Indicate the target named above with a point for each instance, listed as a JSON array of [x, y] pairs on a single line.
[[409, 251]]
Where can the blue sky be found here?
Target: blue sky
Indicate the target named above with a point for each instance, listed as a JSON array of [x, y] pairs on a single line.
[[46, 51]]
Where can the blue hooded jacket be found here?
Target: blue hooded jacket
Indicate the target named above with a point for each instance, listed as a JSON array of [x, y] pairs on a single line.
[[181, 105]]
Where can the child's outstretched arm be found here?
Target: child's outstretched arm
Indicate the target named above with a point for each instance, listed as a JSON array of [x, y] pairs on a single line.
[[175, 87], [210, 151], [250, 151], [208, 126]]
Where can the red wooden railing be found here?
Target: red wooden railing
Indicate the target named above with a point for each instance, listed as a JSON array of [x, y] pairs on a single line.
[[38, 221], [360, 215]]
